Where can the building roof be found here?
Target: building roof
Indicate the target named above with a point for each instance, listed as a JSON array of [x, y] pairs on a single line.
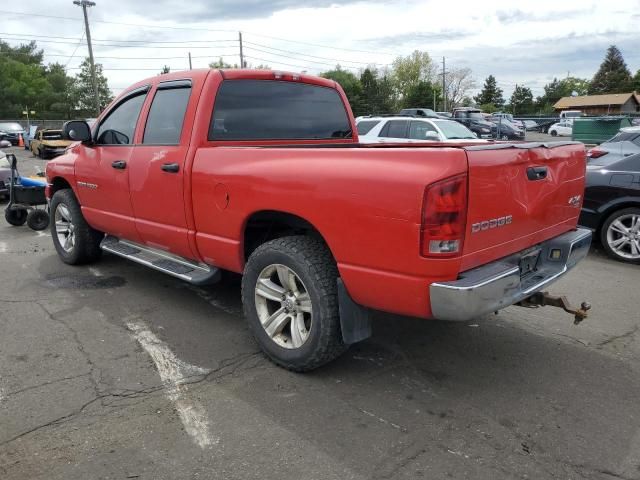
[[596, 100]]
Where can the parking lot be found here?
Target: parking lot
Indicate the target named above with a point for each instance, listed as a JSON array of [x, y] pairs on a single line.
[[116, 371]]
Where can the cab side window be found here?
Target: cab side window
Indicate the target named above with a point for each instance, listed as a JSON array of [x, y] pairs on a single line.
[[119, 126], [395, 129], [166, 116]]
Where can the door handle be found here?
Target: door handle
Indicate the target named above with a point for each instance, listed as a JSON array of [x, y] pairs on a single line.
[[119, 164], [536, 173], [170, 167]]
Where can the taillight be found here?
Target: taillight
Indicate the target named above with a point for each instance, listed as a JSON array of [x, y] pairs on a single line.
[[596, 153], [444, 217]]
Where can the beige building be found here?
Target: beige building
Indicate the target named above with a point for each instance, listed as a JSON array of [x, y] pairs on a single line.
[[609, 104]]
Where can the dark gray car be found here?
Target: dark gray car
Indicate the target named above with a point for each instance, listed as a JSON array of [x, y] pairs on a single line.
[[624, 144]]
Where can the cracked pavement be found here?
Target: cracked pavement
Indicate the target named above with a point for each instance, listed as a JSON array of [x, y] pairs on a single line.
[[525, 394]]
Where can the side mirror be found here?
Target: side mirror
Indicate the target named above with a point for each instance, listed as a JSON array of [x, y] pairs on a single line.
[[77, 130], [431, 135]]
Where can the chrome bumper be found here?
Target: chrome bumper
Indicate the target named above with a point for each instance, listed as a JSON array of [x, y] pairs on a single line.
[[499, 284]]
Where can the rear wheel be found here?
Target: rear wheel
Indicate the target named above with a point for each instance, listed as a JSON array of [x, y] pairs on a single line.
[[553, 133], [75, 241], [620, 235], [290, 299], [15, 216]]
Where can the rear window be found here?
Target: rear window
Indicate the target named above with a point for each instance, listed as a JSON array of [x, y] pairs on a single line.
[[365, 126], [277, 110], [626, 137]]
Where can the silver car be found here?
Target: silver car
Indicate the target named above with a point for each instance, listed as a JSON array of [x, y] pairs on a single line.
[[625, 143]]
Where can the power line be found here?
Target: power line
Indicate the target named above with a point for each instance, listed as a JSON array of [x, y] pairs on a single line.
[[57, 37], [129, 46], [74, 51]]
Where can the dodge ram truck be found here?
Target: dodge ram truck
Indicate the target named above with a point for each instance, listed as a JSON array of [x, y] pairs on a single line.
[[261, 173]]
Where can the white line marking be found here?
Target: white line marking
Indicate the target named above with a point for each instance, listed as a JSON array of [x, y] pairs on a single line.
[[3, 247], [95, 272], [174, 373], [43, 234]]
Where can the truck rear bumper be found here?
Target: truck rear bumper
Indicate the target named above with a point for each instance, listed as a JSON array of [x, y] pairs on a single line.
[[500, 284]]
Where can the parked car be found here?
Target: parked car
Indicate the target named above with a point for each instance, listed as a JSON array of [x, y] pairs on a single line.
[[612, 207], [5, 175], [410, 130], [175, 176], [445, 114], [505, 130], [473, 119], [419, 112], [11, 131], [496, 116], [626, 142], [570, 115], [530, 125], [49, 143], [561, 129]]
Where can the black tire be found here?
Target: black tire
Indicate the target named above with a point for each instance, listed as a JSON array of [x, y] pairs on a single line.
[[15, 216], [553, 133], [605, 227], [310, 259], [38, 220], [86, 247]]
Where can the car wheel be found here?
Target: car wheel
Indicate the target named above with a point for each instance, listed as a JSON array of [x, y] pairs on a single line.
[[290, 299], [620, 235], [15, 216], [75, 241], [38, 220], [553, 133]]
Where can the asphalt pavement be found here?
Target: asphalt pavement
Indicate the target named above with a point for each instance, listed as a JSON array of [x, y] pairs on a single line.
[[114, 371]]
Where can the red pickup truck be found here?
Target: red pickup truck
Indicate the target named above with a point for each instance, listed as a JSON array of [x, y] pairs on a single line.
[[261, 173]]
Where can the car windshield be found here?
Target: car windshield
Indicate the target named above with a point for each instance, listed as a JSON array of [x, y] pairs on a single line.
[[11, 127], [624, 137], [52, 135], [454, 130], [476, 115]]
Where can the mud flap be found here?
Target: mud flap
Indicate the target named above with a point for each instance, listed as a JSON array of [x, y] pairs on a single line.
[[355, 320]]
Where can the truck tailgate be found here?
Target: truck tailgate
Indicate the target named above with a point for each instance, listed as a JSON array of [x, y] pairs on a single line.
[[520, 195]]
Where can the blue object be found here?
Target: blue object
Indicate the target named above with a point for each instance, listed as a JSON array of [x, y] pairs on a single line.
[[30, 182]]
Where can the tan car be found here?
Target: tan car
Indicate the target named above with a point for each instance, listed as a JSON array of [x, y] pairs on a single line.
[[49, 143]]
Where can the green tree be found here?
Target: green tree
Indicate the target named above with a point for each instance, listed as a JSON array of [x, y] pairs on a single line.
[[83, 89], [422, 94], [408, 71], [351, 86], [60, 101], [613, 76], [166, 69], [521, 100], [222, 64], [636, 81], [490, 94]]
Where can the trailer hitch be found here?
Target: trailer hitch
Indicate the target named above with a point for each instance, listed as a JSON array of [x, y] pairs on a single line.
[[542, 299]]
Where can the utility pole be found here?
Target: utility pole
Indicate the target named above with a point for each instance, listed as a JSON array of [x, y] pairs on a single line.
[[190, 67], [444, 88], [84, 4], [241, 54]]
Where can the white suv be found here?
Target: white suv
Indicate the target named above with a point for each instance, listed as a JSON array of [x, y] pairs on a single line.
[[409, 130]]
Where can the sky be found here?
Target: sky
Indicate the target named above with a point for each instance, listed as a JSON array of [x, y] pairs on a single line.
[[526, 43]]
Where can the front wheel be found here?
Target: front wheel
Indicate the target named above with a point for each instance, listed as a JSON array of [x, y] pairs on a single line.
[[75, 241], [620, 235], [553, 133], [290, 299]]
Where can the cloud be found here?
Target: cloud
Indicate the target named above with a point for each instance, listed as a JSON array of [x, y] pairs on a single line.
[[394, 41], [518, 16]]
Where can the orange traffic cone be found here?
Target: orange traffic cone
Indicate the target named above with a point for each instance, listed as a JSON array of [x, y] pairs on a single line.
[[20, 140]]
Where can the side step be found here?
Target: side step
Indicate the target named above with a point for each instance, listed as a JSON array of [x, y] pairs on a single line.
[[192, 272]]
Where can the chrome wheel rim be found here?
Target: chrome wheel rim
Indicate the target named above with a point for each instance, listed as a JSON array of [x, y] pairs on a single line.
[[623, 236], [65, 228], [284, 306]]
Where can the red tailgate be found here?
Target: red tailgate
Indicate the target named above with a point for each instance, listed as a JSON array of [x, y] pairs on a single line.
[[520, 195]]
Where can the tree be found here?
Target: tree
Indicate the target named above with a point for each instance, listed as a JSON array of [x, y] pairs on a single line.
[[613, 76], [222, 64], [422, 94], [490, 94], [83, 89], [408, 71], [60, 101], [351, 86], [521, 100], [566, 87], [636, 81], [378, 95], [458, 83], [166, 69]]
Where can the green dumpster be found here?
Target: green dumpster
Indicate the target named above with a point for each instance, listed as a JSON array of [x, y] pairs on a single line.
[[597, 130]]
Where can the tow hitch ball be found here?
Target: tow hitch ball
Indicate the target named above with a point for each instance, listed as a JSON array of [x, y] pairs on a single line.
[[542, 299]]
